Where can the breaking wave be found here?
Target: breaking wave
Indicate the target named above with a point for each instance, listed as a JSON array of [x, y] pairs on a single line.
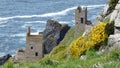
[[18, 35], [35, 22], [53, 14]]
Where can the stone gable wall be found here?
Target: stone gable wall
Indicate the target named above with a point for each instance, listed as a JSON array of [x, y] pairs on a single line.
[[34, 48]]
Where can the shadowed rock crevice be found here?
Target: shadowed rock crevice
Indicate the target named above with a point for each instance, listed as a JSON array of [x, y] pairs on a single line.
[[5, 58], [53, 34]]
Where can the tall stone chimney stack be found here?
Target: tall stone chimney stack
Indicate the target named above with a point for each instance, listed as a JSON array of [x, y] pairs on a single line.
[[28, 30], [80, 20]]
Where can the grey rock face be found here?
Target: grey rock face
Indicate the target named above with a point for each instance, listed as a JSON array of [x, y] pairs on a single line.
[[117, 20], [117, 6], [119, 1], [105, 10], [108, 9], [113, 15], [114, 40], [52, 28], [5, 58], [53, 34]]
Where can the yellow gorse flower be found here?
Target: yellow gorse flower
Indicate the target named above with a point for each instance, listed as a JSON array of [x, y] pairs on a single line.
[[80, 45]]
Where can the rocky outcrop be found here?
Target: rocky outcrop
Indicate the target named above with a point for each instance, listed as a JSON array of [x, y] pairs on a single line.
[[53, 34], [115, 17], [109, 10], [5, 58], [111, 15], [114, 40]]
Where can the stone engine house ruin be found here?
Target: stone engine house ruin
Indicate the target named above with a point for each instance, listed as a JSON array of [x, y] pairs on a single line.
[[81, 22], [34, 48]]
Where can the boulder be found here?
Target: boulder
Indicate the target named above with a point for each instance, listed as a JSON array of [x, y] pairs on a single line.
[[108, 9], [117, 6], [49, 43], [113, 15], [117, 24], [53, 34], [119, 1], [5, 58], [114, 40], [105, 10], [52, 28], [117, 20]]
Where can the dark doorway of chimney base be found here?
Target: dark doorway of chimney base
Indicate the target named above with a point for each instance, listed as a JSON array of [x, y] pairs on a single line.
[[36, 53]]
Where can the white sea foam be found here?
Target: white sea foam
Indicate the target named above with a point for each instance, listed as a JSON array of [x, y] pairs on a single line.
[[44, 22], [18, 35], [95, 6], [22, 39], [63, 12], [64, 22], [26, 25], [2, 54], [1, 26], [52, 14], [35, 22], [3, 22], [40, 30]]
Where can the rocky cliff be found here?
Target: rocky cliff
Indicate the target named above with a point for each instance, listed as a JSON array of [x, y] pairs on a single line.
[[111, 13], [53, 34], [5, 58]]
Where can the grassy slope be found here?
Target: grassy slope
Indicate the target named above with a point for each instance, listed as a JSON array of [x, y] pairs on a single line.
[[59, 53], [93, 60]]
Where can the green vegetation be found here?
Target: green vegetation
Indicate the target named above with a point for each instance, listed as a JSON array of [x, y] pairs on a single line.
[[8, 65], [60, 52], [69, 37], [109, 29], [95, 39], [113, 3], [93, 60], [106, 20]]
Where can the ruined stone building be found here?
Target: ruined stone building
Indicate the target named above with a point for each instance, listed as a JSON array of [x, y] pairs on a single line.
[[80, 19], [34, 48], [81, 22]]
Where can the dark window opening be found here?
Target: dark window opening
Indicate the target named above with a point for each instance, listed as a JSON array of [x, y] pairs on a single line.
[[81, 20], [31, 47], [36, 54]]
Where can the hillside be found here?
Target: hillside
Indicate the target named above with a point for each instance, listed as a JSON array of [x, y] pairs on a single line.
[[92, 59], [97, 49]]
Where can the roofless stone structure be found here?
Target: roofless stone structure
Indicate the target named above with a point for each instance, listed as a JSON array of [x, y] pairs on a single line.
[[34, 48]]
